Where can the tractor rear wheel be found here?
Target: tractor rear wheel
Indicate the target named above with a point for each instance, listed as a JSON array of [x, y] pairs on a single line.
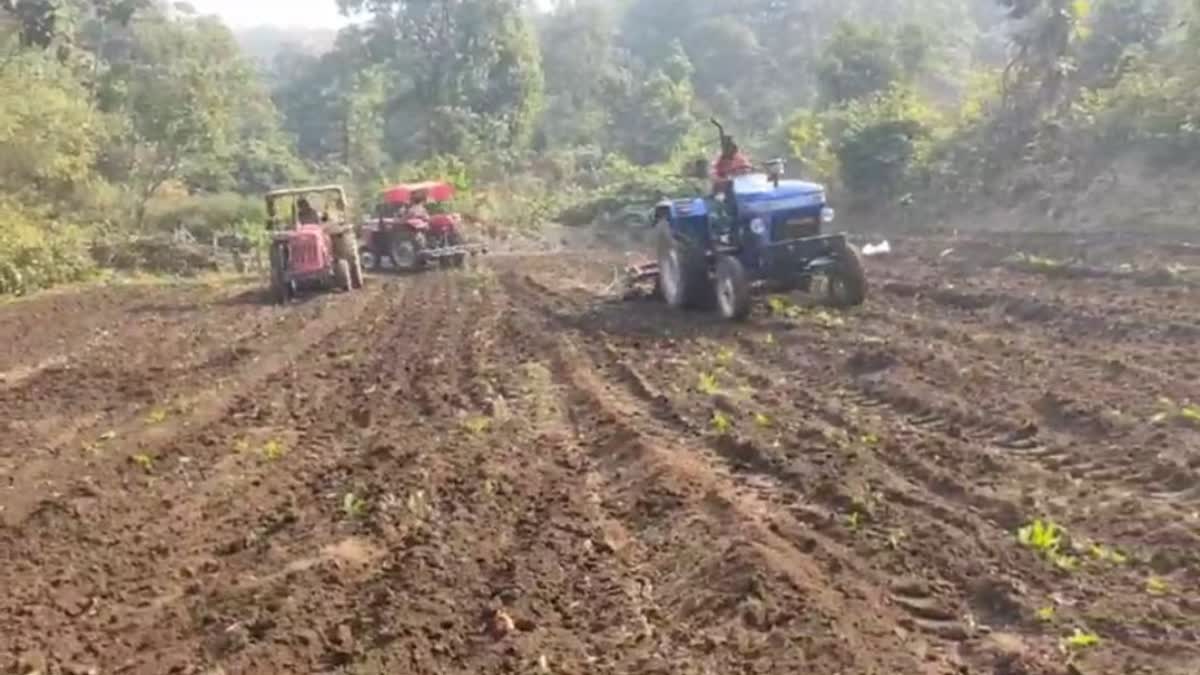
[[405, 255], [733, 291], [342, 275], [848, 279], [683, 272], [281, 287]]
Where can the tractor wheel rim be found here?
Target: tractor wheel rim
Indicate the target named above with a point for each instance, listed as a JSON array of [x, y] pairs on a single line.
[[725, 296], [670, 278], [837, 287], [406, 255]]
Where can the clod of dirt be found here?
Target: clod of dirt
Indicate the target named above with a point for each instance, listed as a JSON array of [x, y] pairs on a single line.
[[501, 624], [31, 663], [870, 361]]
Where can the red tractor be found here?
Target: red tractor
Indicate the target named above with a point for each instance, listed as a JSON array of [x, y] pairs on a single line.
[[413, 229], [311, 247]]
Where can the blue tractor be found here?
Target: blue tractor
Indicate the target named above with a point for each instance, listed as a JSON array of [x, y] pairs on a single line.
[[753, 230]]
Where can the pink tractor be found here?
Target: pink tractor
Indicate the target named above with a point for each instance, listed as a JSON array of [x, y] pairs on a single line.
[[413, 228], [311, 247]]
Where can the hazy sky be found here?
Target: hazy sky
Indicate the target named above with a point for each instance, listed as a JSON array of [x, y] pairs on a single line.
[[288, 13]]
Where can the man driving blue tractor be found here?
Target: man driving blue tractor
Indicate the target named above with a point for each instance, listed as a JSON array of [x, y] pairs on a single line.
[[752, 230]]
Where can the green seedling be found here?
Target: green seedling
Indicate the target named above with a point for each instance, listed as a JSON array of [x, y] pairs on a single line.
[[353, 506], [762, 421], [156, 416], [769, 339], [707, 384], [242, 446], [896, 538], [1045, 538], [1105, 554], [827, 320], [854, 521], [1157, 586], [1041, 536], [146, 462], [870, 440], [273, 450], [721, 423], [108, 436], [477, 425], [779, 306], [725, 356], [1046, 614], [1081, 639]]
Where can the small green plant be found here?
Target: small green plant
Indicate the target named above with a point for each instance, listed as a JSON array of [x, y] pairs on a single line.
[[107, 436], [1046, 614], [769, 339], [477, 425], [870, 440], [721, 423], [854, 521], [157, 416], [241, 446], [1041, 536], [724, 357], [1081, 640], [1185, 412], [273, 450], [1157, 586], [778, 305], [1045, 539], [1103, 553], [707, 384], [353, 506], [895, 538], [762, 421], [146, 462]]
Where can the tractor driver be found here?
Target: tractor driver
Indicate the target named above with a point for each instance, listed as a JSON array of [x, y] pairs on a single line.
[[730, 163], [418, 209], [307, 214]]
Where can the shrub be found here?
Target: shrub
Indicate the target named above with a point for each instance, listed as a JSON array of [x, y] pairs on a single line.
[[36, 253]]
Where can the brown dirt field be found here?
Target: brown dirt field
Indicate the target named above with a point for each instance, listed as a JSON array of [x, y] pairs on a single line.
[[505, 470]]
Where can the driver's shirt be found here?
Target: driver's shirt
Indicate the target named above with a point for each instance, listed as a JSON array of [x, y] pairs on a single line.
[[725, 167]]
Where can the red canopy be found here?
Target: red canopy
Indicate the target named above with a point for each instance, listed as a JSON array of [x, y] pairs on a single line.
[[435, 191]]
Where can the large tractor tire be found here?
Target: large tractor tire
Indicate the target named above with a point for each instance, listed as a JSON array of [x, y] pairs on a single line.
[[848, 279], [456, 239], [406, 252], [683, 271], [732, 289], [342, 275], [281, 287]]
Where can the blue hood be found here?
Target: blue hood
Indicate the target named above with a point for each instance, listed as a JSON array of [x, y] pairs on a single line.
[[757, 194]]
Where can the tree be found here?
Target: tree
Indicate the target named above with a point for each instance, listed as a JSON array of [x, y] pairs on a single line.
[[858, 63], [474, 63], [178, 95]]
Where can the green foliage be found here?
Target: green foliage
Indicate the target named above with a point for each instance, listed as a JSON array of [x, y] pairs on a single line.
[[859, 62], [36, 252], [205, 214]]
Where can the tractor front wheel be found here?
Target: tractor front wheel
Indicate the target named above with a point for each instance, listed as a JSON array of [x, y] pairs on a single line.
[[733, 291], [683, 273], [848, 279]]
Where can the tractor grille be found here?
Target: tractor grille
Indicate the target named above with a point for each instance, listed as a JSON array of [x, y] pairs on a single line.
[[797, 227], [304, 253]]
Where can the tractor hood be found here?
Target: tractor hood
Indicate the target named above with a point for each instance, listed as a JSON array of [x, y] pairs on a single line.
[[758, 194]]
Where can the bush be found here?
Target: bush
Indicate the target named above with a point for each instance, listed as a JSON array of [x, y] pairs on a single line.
[[205, 214], [36, 253]]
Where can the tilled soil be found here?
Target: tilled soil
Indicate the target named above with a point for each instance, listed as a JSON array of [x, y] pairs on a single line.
[[505, 469]]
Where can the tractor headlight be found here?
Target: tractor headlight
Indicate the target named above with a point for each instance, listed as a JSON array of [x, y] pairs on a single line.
[[758, 226], [827, 215]]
